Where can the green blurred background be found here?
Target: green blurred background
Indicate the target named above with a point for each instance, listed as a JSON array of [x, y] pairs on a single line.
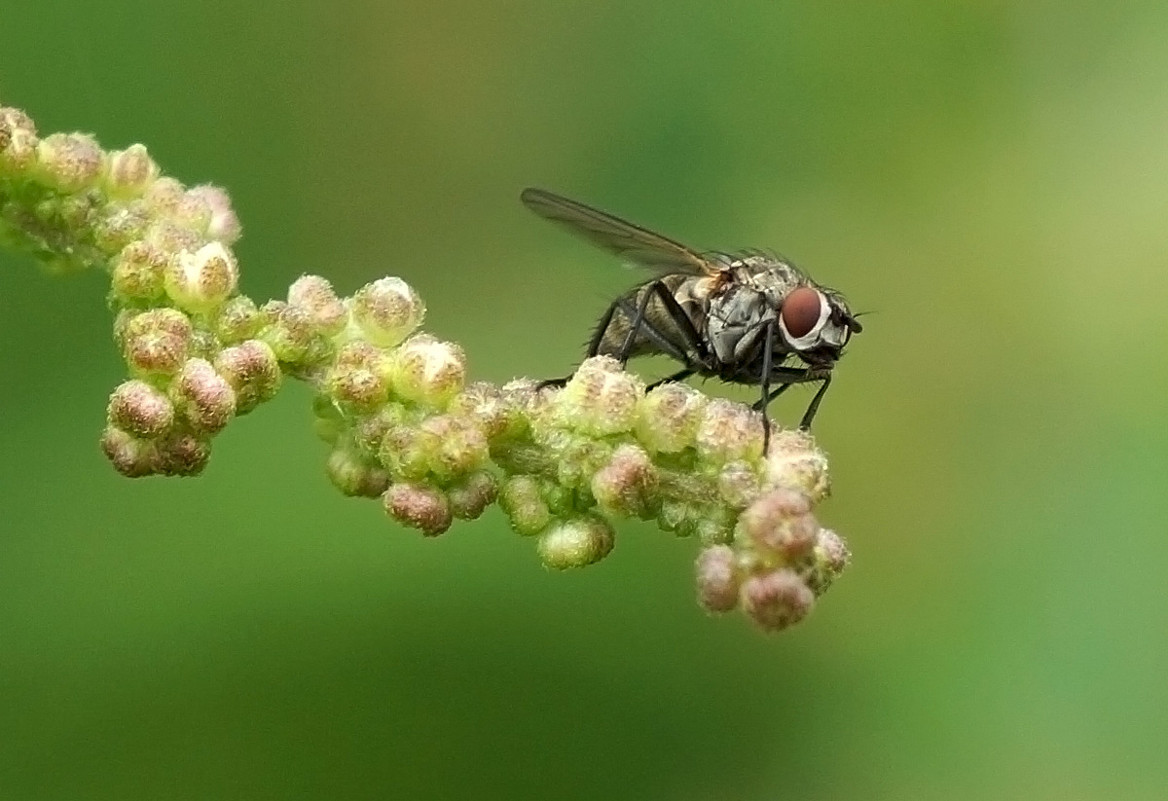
[[989, 178]]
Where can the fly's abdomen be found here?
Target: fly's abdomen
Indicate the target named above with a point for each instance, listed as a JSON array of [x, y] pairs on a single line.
[[658, 326]]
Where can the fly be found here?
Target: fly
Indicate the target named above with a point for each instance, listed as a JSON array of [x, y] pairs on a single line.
[[745, 318]]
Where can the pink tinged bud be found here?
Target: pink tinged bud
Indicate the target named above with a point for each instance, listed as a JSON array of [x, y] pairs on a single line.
[[780, 522], [354, 476], [238, 319], [140, 410], [668, 418], [136, 274], [600, 399], [575, 543], [628, 484], [524, 505], [359, 379], [223, 225], [121, 226], [443, 448], [470, 498], [252, 371], [419, 507], [829, 558], [169, 236], [183, 454], [164, 196], [491, 412], [201, 281], [387, 311], [777, 599], [428, 371], [70, 162], [130, 456], [718, 579], [18, 141], [738, 484], [729, 432], [156, 342], [130, 173], [205, 398], [315, 296], [794, 461]]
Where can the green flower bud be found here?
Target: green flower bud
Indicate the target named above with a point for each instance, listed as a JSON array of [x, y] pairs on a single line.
[[140, 410], [387, 310], [444, 447], [575, 543], [130, 173], [793, 461], [470, 498], [238, 319], [252, 371], [18, 142], [357, 388], [136, 273], [130, 456], [428, 371], [628, 484], [171, 237], [829, 558], [289, 331], [524, 505], [156, 342], [205, 398], [203, 280], [70, 162], [777, 599], [718, 578], [600, 399], [668, 417], [315, 296], [163, 196], [490, 411], [738, 484], [223, 225], [728, 432], [355, 477], [419, 507], [120, 226], [182, 454]]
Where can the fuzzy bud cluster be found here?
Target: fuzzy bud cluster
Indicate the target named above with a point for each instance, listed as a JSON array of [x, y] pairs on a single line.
[[393, 403]]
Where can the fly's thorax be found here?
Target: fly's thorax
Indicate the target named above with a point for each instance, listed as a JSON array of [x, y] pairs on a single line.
[[735, 323]]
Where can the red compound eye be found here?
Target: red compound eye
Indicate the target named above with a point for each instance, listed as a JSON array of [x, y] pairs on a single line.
[[800, 311]]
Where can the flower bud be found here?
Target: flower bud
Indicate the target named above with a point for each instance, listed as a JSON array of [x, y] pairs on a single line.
[[183, 454], [777, 599], [524, 505], [355, 477], [738, 484], [718, 578], [252, 371], [201, 281], [130, 456], [794, 461], [486, 406], [576, 543], [443, 447], [668, 417], [120, 226], [18, 142], [729, 431], [419, 507], [136, 273], [163, 196], [169, 236], [140, 410], [601, 398], [387, 311], [205, 398], [223, 225], [473, 495], [428, 371], [315, 296], [628, 484], [70, 162], [238, 319], [157, 341], [130, 173], [781, 523], [288, 330], [829, 558]]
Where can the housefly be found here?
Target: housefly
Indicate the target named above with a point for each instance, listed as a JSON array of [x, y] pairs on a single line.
[[746, 318]]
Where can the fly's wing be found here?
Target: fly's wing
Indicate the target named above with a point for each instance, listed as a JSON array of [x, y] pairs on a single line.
[[618, 236]]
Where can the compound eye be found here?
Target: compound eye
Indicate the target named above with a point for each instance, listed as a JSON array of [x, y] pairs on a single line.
[[803, 312]]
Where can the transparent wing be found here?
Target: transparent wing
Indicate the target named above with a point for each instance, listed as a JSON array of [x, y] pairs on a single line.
[[619, 236]]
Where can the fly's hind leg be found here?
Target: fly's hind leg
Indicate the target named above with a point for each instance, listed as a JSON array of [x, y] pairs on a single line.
[[691, 341]]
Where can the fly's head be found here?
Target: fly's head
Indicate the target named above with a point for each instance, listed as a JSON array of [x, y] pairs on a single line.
[[816, 324]]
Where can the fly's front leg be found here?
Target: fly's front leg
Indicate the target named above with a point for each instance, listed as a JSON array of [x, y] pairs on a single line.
[[809, 415]]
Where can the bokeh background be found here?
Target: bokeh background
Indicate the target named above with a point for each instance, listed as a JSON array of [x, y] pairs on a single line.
[[990, 179]]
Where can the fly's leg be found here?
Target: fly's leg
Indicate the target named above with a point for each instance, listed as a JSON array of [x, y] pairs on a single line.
[[680, 375], [767, 367], [685, 326], [809, 415]]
